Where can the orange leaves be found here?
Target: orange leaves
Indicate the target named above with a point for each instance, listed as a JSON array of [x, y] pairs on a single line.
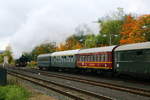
[[61, 47], [70, 44], [133, 30]]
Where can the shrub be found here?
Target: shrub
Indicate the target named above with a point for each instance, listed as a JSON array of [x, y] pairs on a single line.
[[32, 64]]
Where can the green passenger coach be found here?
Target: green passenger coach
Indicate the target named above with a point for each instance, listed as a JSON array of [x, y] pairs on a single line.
[[133, 59], [64, 59], [44, 61]]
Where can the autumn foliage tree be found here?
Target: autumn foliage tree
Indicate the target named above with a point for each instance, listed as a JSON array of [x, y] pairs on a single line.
[[143, 26], [135, 30], [43, 49], [70, 44]]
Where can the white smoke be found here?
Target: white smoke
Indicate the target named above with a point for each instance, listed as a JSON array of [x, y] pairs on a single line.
[[27, 23]]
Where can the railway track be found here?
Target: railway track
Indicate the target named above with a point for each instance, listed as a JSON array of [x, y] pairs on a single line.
[[74, 93], [137, 91], [132, 90]]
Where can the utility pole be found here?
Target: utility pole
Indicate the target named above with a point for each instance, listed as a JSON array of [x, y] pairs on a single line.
[[110, 39]]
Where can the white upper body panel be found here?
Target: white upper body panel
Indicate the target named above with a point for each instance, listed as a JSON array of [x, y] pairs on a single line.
[[65, 53], [135, 46], [45, 55], [99, 49]]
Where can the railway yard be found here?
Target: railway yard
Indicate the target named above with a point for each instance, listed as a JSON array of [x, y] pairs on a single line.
[[75, 50], [81, 87]]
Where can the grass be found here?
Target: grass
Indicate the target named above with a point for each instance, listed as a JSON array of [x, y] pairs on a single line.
[[13, 91]]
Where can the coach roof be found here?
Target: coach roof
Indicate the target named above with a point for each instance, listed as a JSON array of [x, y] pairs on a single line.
[[99, 49], [144, 45], [65, 53], [44, 55]]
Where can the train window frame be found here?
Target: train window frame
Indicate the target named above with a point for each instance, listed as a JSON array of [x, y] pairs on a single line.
[[102, 57], [80, 58], [106, 57]]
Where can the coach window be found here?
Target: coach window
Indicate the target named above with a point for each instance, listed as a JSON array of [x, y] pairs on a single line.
[[88, 58], [85, 58], [94, 57], [80, 58], [106, 57], [91, 58], [71, 58], [102, 57], [97, 58], [58, 59]]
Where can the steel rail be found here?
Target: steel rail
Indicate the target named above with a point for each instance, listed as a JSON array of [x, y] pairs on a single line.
[[133, 90], [59, 91]]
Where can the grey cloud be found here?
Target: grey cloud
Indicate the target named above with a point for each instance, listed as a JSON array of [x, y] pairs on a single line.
[[26, 23]]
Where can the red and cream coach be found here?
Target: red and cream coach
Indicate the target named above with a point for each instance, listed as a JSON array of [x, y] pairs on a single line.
[[96, 58]]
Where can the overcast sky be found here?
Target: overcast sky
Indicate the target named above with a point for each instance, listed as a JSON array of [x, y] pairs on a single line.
[[26, 23]]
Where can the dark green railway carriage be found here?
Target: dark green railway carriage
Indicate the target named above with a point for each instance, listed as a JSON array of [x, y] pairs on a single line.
[[44, 61], [64, 59], [133, 59]]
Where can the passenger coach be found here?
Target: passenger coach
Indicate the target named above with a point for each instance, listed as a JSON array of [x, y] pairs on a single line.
[[133, 59], [64, 59], [96, 58], [44, 61]]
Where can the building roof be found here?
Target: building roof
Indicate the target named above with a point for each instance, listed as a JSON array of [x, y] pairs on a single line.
[[135, 46], [99, 49], [65, 53]]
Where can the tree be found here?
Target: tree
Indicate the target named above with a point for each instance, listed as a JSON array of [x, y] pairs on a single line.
[[143, 26], [90, 41], [135, 30], [70, 44], [8, 53], [110, 28], [1, 58], [42, 49]]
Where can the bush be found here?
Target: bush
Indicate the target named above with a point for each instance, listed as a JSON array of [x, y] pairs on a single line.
[[13, 92], [32, 64]]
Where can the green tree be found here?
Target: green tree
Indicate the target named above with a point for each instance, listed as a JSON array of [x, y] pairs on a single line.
[[1, 58], [90, 41], [8, 53], [42, 49], [110, 30], [110, 27]]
